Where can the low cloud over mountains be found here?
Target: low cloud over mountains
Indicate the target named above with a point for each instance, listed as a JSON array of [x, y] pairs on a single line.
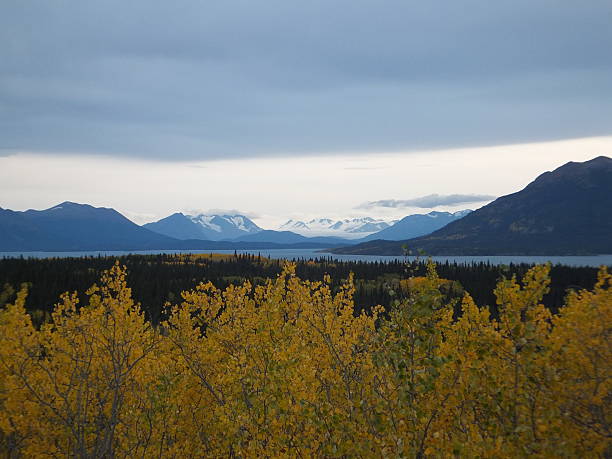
[[429, 201]]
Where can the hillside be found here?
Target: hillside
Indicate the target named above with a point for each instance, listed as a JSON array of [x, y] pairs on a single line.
[[563, 212], [72, 226]]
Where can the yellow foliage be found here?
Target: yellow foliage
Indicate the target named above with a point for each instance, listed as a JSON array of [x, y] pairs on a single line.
[[286, 369]]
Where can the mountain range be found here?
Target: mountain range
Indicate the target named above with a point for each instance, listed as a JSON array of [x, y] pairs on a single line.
[[354, 228], [322, 230], [566, 211], [80, 227], [563, 212]]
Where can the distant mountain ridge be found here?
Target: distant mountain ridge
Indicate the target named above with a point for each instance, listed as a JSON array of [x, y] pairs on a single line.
[[321, 230], [344, 228], [80, 227], [72, 226], [563, 212], [203, 226], [416, 225]]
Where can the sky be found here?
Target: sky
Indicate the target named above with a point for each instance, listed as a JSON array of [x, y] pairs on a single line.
[[282, 109]]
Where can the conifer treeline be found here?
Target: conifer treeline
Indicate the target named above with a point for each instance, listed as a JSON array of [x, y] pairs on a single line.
[[157, 279]]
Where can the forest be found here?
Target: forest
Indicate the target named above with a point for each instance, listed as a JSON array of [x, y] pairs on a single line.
[[256, 357], [376, 283]]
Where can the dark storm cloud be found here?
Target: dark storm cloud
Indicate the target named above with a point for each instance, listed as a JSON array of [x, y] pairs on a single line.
[[200, 80], [429, 201]]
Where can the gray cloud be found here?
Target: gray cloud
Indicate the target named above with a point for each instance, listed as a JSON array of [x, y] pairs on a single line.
[[234, 78], [253, 215], [429, 201]]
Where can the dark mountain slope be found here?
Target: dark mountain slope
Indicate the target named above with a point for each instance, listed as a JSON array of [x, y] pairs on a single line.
[[564, 212], [19, 233], [71, 226]]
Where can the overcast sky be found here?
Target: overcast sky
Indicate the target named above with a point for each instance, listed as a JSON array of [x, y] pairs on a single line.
[[349, 89]]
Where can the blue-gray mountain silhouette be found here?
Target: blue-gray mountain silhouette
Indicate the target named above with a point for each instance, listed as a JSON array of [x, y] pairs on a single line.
[[416, 225], [81, 227], [72, 226]]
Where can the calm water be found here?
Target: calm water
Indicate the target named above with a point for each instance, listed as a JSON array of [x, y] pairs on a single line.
[[595, 260]]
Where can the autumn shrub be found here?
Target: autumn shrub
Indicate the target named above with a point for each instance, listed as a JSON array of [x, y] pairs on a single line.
[[287, 369]]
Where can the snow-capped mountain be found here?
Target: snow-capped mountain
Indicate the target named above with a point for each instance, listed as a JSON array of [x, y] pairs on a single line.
[[225, 224], [347, 228], [208, 227]]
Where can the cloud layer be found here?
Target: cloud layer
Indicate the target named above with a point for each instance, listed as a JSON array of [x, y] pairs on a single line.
[[231, 212], [236, 78], [428, 202]]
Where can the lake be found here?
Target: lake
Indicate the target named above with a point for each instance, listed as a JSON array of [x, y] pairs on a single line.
[[293, 254]]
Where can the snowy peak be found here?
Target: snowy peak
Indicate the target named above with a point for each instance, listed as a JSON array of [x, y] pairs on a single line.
[[346, 228], [321, 222], [210, 227], [293, 225], [227, 226], [206, 221], [243, 223], [360, 225]]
